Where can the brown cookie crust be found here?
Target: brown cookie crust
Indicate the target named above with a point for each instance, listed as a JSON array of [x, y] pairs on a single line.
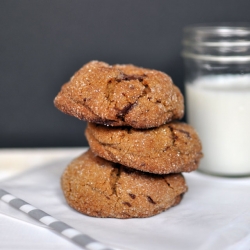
[[171, 148], [96, 187], [121, 95]]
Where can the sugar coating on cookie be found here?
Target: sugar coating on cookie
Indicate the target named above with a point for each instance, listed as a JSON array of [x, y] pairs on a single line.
[[121, 95], [171, 148], [97, 187]]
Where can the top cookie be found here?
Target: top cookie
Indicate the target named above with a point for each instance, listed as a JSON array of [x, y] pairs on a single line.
[[121, 95]]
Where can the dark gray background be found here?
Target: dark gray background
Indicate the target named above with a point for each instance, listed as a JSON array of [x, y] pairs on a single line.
[[44, 42]]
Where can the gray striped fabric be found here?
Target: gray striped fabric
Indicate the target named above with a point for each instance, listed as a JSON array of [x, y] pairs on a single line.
[[83, 240]]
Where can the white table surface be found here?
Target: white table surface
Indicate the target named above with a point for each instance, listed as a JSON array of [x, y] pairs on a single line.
[[26, 235], [214, 214]]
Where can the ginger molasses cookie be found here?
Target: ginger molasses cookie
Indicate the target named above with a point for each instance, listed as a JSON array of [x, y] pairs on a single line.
[[97, 187], [171, 148], [121, 95]]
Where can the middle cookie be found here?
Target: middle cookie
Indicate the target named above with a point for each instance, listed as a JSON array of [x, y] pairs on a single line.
[[171, 148]]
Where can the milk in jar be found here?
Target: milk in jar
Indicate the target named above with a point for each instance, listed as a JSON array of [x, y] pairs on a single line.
[[218, 107]]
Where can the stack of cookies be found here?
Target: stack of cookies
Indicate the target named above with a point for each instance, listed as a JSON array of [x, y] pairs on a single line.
[[138, 148]]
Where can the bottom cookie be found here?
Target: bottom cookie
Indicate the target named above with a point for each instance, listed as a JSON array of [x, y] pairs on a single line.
[[100, 188]]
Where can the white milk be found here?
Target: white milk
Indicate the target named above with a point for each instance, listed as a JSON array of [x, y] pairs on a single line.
[[218, 107]]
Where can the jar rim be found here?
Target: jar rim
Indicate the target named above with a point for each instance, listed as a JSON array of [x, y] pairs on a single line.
[[217, 34], [218, 27], [218, 42]]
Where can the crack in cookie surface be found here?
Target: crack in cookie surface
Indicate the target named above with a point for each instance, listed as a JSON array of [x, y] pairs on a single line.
[[114, 177]]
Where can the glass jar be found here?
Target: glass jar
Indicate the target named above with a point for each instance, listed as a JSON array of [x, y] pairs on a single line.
[[217, 88]]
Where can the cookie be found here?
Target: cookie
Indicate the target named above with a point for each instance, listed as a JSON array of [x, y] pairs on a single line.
[[171, 148], [97, 187], [121, 95]]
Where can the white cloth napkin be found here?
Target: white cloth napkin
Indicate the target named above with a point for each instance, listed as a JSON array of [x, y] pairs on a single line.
[[214, 213]]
